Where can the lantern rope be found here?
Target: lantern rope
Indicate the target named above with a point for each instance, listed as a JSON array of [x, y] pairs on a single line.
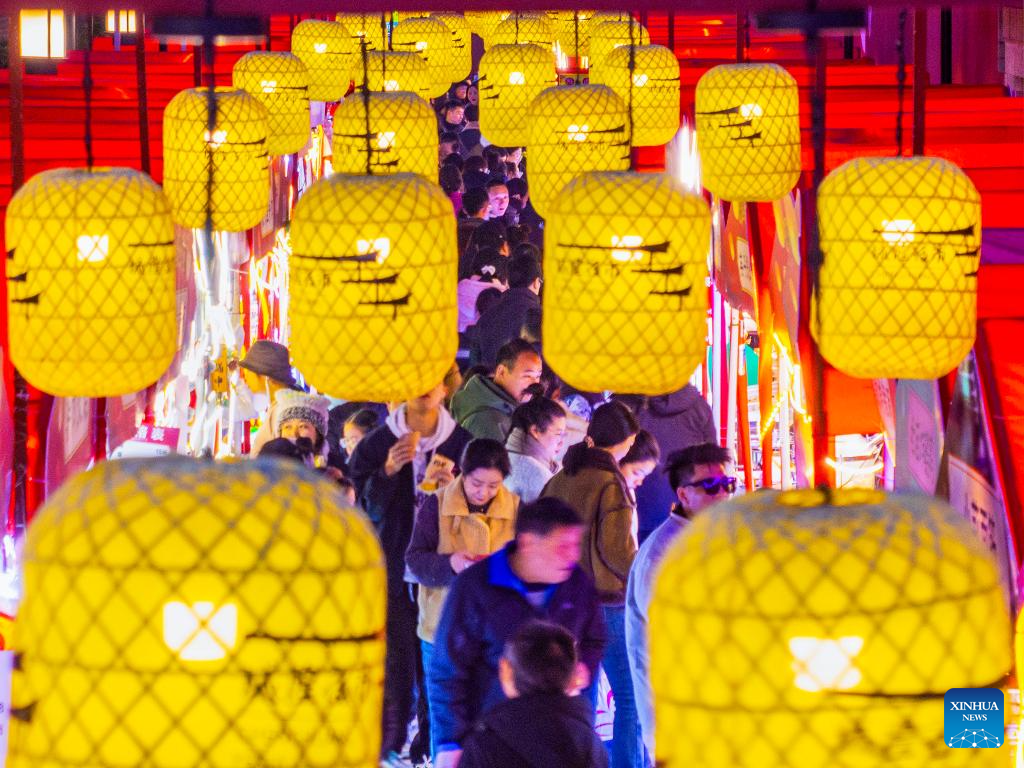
[[901, 80], [576, 34], [517, 27], [385, 40], [366, 105], [87, 84], [632, 85], [211, 127]]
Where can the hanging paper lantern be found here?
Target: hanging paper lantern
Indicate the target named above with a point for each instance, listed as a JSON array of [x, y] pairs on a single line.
[[572, 130], [90, 281], [901, 240], [572, 31], [655, 90], [280, 82], [483, 23], [398, 71], [519, 30], [403, 136], [748, 131], [189, 613], [364, 26], [511, 76], [373, 308], [328, 50], [240, 191], [625, 265], [814, 629], [461, 44], [606, 36], [431, 40]]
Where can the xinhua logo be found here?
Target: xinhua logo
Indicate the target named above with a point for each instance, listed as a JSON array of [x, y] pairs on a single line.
[[974, 718]]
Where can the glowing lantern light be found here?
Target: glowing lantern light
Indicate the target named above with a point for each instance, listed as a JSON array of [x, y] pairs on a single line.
[[483, 23], [655, 87], [90, 281], [398, 71], [241, 621], [748, 131], [364, 26], [606, 36], [328, 50], [280, 82], [572, 130], [373, 310], [42, 33], [431, 40], [238, 144], [901, 240], [520, 30], [403, 136], [511, 76], [811, 629], [572, 31], [625, 265], [461, 44]]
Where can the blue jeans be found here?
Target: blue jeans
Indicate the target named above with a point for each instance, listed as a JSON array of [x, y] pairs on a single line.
[[627, 743], [427, 650]]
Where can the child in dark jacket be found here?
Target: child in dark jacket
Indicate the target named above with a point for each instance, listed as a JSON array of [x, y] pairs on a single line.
[[541, 725]]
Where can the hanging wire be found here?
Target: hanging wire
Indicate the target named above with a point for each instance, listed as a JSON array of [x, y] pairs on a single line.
[[901, 79], [632, 69], [87, 84], [385, 42], [576, 34], [366, 105], [517, 27]]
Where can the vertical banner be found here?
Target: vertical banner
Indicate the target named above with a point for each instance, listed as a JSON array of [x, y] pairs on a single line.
[[734, 267], [918, 435], [68, 439]]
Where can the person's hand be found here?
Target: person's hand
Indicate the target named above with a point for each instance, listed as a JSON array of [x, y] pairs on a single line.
[[460, 561], [401, 453], [449, 759], [580, 680], [441, 476]]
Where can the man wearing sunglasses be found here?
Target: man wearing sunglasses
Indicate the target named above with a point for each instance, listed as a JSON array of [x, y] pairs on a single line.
[[699, 478]]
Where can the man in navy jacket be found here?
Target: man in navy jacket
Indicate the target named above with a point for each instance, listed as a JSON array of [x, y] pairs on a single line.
[[537, 576]]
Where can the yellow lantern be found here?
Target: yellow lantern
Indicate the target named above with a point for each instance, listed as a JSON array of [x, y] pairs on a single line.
[[431, 40], [483, 23], [280, 82], [748, 131], [402, 136], [572, 31], [364, 26], [398, 71], [91, 300], [625, 268], [461, 44], [901, 240], [511, 77], [328, 50], [572, 130], [814, 629], [373, 308], [183, 612], [655, 90], [240, 192], [520, 30], [606, 36]]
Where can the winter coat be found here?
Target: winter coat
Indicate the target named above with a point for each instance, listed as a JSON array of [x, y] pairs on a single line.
[[486, 606], [503, 322], [539, 730], [591, 483], [390, 502], [445, 525], [530, 473], [484, 409], [469, 292]]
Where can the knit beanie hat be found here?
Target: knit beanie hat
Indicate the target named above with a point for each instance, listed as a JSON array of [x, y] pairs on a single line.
[[300, 405]]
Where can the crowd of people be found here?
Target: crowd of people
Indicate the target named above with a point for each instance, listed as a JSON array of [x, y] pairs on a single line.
[[522, 522]]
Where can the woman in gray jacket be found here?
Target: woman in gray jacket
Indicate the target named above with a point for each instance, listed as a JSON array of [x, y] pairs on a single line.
[[534, 445]]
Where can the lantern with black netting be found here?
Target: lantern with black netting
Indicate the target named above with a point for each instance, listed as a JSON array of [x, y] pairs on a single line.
[[373, 307], [90, 281], [431, 40], [901, 240], [328, 50], [572, 32], [572, 130], [606, 36], [190, 613], [364, 27], [237, 145], [655, 86], [511, 76], [483, 23], [403, 136], [814, 629], [280, 82], [625, 264], [461, 45], [398, 71], [522, 30], [748, 131]]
